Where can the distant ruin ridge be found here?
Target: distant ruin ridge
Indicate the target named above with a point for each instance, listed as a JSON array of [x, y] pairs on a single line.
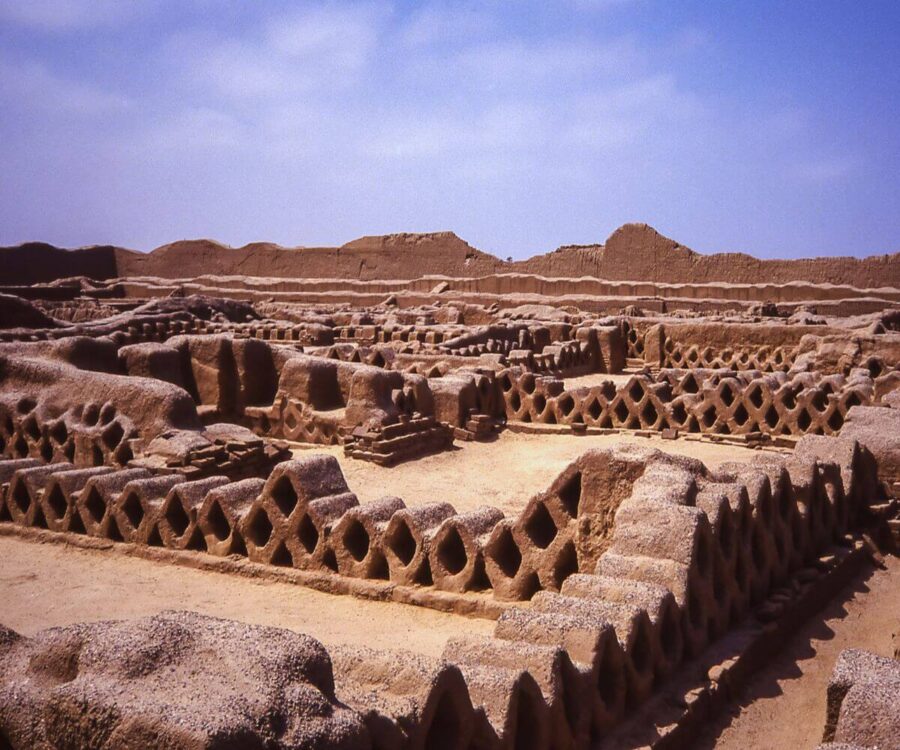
[[634, 252]]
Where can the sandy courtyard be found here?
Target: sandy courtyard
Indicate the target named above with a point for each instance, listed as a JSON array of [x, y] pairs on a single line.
[[503, 473], [47, 585]]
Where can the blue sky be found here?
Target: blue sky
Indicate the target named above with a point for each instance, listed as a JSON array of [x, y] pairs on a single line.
[[766, 127]]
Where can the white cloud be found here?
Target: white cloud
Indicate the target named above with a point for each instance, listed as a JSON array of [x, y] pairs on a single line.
[[324, 48], [825, 170], [70, 15], [32, 85]]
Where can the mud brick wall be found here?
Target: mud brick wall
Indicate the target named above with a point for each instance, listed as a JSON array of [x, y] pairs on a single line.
[[722, 402], [633, 561]]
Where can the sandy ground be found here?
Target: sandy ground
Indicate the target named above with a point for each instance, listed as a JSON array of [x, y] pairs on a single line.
[[596, 378], [504, 473], [46, 585], [784, 705]]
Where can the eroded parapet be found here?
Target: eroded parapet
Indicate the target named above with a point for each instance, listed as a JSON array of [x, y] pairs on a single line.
[[456, 554], [406, 700], [26, 486], [408, 539], [666, 556], [562, 688], [862, 708], [593, 648], [358, 538], [721, 402], [97, 497], [223, 514], [134, 514], [68, 401], [176, 679], [179, 514]]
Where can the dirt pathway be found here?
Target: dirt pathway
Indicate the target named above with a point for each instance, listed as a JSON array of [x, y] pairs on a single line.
[[46, 585]]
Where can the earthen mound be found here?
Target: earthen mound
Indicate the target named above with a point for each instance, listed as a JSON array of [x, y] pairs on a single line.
[[174, 680]]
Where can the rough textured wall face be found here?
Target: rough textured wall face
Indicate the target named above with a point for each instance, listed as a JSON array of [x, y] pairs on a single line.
[[634, 252], [175, 680]]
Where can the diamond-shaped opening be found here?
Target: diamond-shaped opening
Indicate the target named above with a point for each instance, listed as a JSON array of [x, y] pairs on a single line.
[[755, 396], [539, 402], [290, 420], [566, 564], [284, 495], [94, 504], [123, 454], [635, 391], [594, 409], [356, 540], [452, 552], [329, 560], [25, 405], [107, 413], [649, 414], [282, 556], [113, 435], [56, 501], [819, 401], [771, 416], [402, 543], [740, 415], [789, 398], [727, 395], [693, 356], [570, 494], [177, 518], [852, 400], [59, 432], [527, 383], [708, 418], [679, 414], [46, 451], [218, 522], [804, 420], [540, 527], [197, 541], [112, 530], [259, 528], [621, 411], [566, 404], [134, 511], [21, 497], [506, 553], [308, 534], [20, 446], [836, 420], [506, 383], [31, 427], [76, 525], [515, 401], [90, 415]]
